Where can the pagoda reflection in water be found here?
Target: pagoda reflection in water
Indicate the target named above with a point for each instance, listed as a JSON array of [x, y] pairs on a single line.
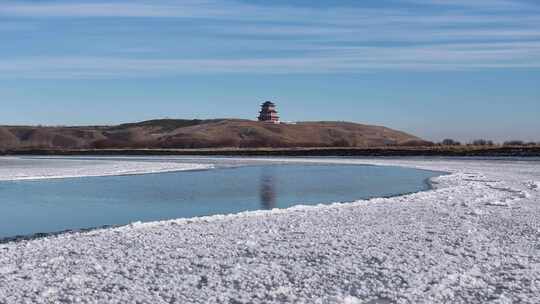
[[267, 190]]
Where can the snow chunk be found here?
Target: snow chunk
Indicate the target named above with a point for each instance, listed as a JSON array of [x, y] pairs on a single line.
[[533, 185], [5, 270]]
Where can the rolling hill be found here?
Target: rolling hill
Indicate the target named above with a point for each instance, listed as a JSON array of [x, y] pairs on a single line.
[[215, 133]]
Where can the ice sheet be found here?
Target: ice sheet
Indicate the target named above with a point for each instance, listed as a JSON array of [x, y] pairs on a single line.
[[51, 168]]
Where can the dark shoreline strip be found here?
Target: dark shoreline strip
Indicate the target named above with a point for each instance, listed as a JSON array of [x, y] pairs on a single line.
[[367, 152]]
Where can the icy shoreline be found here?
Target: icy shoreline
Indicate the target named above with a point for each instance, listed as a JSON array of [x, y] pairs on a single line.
[[474, 238], [20, 169]]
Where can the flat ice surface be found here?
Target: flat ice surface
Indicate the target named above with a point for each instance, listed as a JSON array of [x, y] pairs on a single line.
[[46, 206], [13, 168], [475, 238]]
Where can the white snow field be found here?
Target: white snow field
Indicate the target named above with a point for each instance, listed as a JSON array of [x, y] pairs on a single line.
[[475, 238], [14, 168]]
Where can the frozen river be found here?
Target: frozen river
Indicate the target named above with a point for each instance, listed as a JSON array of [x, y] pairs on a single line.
[[34, 204], [473, 238]]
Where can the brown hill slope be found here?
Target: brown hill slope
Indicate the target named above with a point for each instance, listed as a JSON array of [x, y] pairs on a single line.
[[217, 133]]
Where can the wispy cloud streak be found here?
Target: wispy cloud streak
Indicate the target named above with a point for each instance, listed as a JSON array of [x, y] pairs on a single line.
[[484, 4], [332, 60]]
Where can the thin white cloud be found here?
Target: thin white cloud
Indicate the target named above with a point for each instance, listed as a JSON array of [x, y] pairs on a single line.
[[105, 9], [383, 33], [229, 9], [483, 4], [352, 59]]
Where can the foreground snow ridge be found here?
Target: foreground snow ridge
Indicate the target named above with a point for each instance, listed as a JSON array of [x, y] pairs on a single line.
[[473, 239]]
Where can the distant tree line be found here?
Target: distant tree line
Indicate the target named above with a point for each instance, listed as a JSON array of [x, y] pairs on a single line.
[[482, 142], [520, 143], [450, 142], [487, 143]]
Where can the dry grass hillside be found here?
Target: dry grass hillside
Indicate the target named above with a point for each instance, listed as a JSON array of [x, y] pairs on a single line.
[[219, 133]]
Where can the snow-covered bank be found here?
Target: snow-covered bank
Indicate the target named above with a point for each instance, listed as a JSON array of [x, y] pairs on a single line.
[[12, 168], [474, 239]]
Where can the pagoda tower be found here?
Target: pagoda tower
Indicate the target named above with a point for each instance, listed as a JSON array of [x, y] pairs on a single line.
[[269, 113]]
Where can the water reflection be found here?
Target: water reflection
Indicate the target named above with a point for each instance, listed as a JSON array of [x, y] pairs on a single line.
[[267, 189]]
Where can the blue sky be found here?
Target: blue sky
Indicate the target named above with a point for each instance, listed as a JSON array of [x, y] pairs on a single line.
[[463, 69]]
